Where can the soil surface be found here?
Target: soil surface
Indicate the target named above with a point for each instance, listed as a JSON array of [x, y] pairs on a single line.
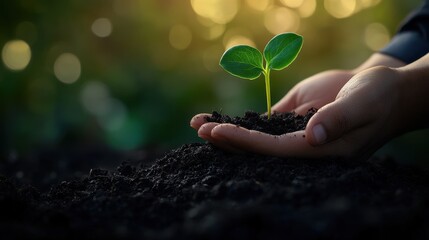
[[198, 191], [277, 124]]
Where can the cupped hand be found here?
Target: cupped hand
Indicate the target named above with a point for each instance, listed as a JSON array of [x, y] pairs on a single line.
[[354, 117], [359, 120], [315, 91]]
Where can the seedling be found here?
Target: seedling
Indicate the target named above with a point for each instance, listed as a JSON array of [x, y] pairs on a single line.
[[247, 62]]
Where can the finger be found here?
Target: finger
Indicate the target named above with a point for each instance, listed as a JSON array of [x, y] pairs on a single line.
[[287, 145], [286, 104], [204, 132], [303, 109], [199, 120], [334, 120]]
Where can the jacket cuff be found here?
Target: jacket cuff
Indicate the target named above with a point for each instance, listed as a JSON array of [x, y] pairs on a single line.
[[407, 46]]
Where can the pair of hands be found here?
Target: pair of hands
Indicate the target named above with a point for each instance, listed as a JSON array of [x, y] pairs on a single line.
[[357, 115]]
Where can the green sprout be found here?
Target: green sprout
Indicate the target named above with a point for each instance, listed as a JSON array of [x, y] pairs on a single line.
[[247, 62]]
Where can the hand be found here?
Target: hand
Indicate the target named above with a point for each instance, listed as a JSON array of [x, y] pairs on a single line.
[[361, 119], [365, 115], [321, 89], [316, 91]]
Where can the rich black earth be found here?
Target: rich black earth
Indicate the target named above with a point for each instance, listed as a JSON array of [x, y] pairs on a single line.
[[200, 192]]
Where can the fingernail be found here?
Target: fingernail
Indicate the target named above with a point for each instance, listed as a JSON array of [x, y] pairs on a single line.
[[319, 134]]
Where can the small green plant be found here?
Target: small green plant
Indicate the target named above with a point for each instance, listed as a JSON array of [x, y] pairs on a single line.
[[247, 62]]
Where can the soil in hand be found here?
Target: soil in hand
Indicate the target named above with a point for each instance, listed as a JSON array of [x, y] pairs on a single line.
[[277, 124]]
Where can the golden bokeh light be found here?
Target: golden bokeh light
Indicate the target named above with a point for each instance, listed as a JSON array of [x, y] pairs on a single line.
[[278, 20], [307, 8], [102, 27], [180, 37], [292, 3], [218, 11], [376, 36], [237, 36], [340, 8], [16, 55], [368, 3], [363, 4], [67, 68], [260, 5], [239, 40], [214, 32], [205, 21]]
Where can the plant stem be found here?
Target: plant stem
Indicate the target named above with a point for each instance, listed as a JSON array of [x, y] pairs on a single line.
[[267, 90]]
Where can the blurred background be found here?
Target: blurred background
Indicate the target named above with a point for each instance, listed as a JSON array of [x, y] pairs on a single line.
[[129, 74]]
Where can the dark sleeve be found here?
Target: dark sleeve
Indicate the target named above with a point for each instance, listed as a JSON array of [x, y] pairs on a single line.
[[411, 42]]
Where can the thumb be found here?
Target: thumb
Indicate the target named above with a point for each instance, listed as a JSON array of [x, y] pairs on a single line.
[[332, 121]]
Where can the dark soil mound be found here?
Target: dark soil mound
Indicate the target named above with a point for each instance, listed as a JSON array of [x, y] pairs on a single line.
[[200, 192]]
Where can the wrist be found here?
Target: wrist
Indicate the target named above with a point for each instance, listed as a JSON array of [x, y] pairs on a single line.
[[379, 59]]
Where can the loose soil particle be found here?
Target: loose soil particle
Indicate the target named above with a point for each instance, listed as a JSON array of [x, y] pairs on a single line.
[[198, 191]]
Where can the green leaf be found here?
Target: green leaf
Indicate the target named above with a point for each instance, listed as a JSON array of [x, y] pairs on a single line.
[[242, 61], [282, 50]]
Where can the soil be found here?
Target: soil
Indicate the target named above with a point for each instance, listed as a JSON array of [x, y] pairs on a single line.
[[277, 124], [198, 191]]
